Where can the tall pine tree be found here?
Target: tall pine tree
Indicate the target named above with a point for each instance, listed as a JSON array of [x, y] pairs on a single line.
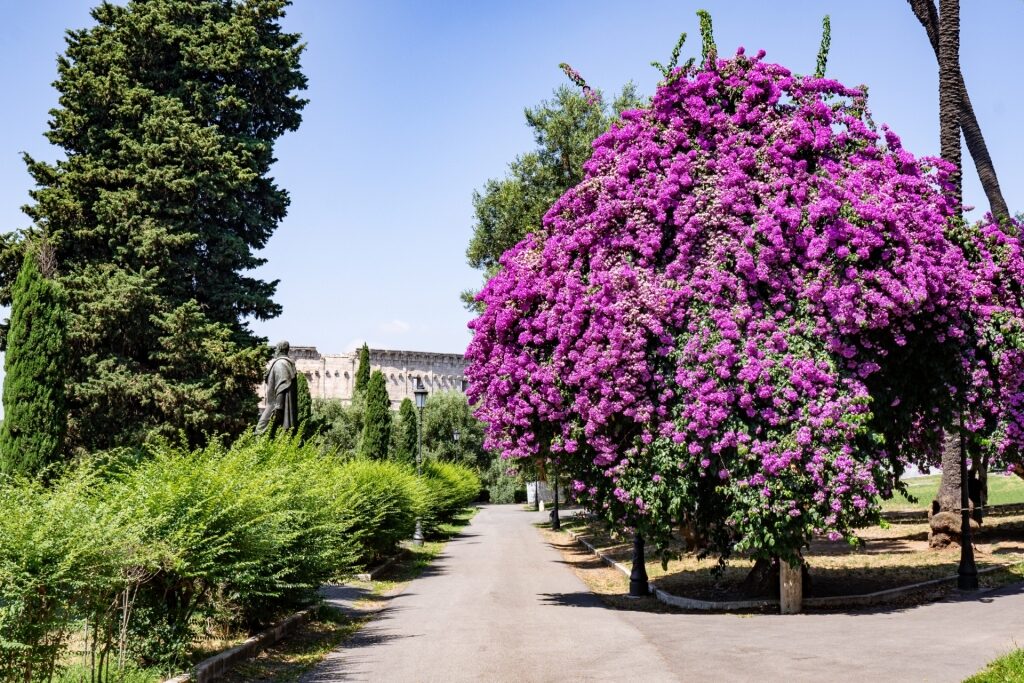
[[407, 431], [377, 425], [35, 415], [362, 370], [167, 117]]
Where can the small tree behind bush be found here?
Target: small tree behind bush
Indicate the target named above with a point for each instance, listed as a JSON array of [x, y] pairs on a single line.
[[362, 370], [35, 412], [445, 415], [305, 406], [377, 426], [406, 437]]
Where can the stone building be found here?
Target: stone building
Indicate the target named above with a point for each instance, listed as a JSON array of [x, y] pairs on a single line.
[[334, 375]]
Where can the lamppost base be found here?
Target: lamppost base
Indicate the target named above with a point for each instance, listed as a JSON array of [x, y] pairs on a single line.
[[417, 535], [967, 581], [638, 583]]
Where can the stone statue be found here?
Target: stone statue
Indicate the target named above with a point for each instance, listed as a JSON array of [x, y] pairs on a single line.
[[282, 392]]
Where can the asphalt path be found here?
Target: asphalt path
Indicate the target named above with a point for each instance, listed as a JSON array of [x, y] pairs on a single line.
[[499, 604]]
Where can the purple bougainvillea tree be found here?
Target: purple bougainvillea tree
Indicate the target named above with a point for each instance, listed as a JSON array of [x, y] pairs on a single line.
[[752, 313]]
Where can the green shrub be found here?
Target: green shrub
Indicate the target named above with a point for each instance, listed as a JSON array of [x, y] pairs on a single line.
[[501, 487], [173, 541], [450, 487], [378, 501], [62, 561]]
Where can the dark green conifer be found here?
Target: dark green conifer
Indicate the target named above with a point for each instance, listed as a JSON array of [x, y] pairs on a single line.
[[377, 425], [167, 118], [305, 407], [363, 369], [407, 426], [35, 414]]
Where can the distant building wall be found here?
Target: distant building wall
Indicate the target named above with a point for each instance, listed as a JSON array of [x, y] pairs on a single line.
[[333, 375]]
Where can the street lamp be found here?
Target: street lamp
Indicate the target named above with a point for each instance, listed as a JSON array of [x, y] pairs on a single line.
[[420, 392], [556, 523], [967, 573]]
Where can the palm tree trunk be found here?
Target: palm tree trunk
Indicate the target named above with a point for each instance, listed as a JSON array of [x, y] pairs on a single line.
[[949, 90], [926, 13]]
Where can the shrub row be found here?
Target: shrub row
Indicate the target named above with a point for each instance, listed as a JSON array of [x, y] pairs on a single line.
[[142, 556]]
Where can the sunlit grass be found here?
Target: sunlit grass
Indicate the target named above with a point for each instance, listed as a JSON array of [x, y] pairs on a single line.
[[1002, 489]]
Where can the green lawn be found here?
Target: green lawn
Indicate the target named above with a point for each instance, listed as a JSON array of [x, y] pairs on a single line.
[[1007, 669], [1002, 489]]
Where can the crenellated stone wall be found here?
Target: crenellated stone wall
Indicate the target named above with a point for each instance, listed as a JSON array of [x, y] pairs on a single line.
[[333, 375]]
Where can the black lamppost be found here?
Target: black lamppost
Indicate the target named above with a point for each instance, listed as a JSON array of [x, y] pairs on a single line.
[[638, 587], [420, 392], [967, 574], [556, 523]]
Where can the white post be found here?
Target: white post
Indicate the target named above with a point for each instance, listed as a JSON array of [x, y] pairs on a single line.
[[791, 588]]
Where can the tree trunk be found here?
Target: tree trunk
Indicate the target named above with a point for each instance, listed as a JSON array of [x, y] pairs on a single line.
[[949, 90], [925, 12], [944, 514]]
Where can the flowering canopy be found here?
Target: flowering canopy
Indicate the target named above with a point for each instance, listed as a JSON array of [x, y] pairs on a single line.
[[748, 317]]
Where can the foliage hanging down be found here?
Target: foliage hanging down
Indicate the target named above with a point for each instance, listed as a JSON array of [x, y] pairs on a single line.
[[748, 316]]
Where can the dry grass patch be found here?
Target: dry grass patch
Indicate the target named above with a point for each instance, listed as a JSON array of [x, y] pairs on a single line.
[[882, 558]]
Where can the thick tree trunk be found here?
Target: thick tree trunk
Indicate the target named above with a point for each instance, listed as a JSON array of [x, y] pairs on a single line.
[[926, 13], [763, 579], [944, 514]]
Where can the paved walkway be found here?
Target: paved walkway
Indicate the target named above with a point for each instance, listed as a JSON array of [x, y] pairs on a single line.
[[500, 605]]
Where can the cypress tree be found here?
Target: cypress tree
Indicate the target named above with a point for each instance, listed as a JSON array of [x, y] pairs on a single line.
[[407, 425], [363, 370], [35, 417], [377, 424], [305, 408], [167, 118]]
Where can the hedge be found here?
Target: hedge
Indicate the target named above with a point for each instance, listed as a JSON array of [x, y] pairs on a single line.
[[142, 555]]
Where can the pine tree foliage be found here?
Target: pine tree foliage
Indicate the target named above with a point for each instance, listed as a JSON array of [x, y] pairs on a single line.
[[377, 425], [168, 113], [35, 415], [407, 432], [363, 369]]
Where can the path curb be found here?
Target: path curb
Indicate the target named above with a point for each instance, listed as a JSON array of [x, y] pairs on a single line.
[[862, 600], [372, 574], [216, 666]]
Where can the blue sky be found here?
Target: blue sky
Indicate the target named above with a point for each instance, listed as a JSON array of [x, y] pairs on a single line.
[[415, 104]]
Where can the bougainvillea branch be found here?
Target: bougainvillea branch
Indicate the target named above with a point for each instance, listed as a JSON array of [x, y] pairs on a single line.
[[592, 96], [708, 50], [826, 44], [673, 61]]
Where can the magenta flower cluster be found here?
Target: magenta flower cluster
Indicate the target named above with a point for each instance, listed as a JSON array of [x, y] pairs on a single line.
[[748, 317]]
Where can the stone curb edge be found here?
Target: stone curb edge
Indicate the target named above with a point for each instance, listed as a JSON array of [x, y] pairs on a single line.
[[213, 667], [372, 574], [862, 600]]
